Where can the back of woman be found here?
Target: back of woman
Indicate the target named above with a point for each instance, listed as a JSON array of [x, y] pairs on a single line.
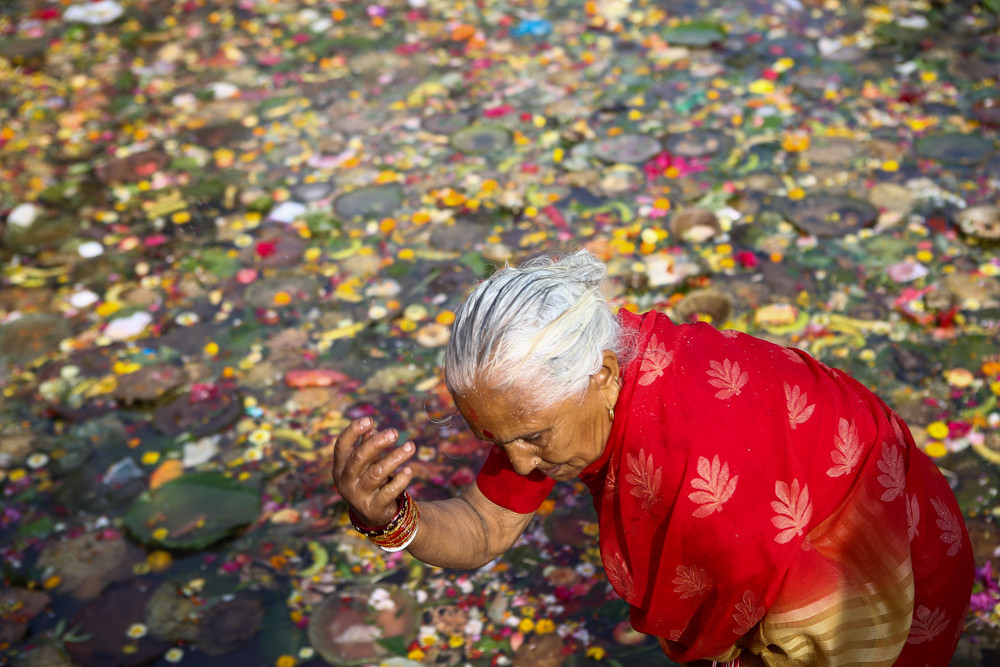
[[765, 503]]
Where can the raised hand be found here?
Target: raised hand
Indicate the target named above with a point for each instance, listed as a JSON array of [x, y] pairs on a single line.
[[366, 470]]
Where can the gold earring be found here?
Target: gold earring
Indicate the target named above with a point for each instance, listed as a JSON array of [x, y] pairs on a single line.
[[611, 413]]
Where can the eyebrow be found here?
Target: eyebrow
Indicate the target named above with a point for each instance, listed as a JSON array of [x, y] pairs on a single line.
[[529, 436]]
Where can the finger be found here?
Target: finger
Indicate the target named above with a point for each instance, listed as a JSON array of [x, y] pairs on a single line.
[[365, 462], [346, 442], [393, 460], [377, 495], [397, 484]]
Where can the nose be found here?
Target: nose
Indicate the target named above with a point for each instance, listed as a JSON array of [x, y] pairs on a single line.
[[521, 457]]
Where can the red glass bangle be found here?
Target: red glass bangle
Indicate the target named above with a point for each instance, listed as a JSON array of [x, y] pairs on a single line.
[[399, 532]]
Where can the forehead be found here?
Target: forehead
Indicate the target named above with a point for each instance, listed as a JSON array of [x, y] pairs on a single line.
[[499, 411]]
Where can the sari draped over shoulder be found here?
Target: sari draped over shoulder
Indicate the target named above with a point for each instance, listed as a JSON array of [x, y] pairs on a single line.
[[751, 499]]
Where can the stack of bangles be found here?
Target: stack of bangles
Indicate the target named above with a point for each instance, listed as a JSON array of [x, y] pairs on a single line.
[[398, 533]]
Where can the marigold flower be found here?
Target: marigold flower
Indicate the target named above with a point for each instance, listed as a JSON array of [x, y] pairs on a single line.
[[545, 626]]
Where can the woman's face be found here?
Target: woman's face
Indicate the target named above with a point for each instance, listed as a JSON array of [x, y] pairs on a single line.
[[559, 440]]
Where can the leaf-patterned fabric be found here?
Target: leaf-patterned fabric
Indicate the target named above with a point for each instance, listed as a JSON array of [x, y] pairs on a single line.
[[752, 499]]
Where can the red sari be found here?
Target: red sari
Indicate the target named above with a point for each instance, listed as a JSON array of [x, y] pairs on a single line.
[[751, 499]]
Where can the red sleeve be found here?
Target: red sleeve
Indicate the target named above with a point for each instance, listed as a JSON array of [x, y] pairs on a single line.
[[501, 484]]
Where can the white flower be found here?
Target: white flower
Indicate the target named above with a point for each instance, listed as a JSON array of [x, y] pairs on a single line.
[[381, 600], [474, 628], [187, 318], [123, 328], [136, 631], [37, 460], [173, 655], [427, 635], [95, 13], [200, 451], [260, 437]]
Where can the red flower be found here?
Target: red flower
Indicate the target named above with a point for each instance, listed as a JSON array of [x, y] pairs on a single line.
[[267, 248], [747, 259]]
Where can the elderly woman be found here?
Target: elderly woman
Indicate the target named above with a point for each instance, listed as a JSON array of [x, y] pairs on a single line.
[[755, 506]]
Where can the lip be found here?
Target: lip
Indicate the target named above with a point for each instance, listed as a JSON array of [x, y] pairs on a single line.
[[553, 471]]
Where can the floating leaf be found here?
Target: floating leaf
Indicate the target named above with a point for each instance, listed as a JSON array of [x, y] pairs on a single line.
[[103, 628], [481, 139], [199, 415], [627, 149], [346, 630], [31, 336], [374, 202], [831, 215], [694, 33], [193, 511], [954, 148]]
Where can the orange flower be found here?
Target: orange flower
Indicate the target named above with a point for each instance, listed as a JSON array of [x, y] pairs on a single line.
[[463, 32]]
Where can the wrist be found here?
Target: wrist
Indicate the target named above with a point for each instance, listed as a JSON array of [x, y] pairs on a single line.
[[399, 532]]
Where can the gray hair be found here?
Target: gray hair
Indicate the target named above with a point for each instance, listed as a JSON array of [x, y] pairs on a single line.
[[541, 327]]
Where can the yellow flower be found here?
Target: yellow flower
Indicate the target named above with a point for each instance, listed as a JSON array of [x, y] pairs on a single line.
[[936, 449], [596, 653], [937, 430], [286, 661], [455, 641], [545, 626], [125, 367], [160, 534], [150, 458], [415, 654], [761, 87], [526, 625]]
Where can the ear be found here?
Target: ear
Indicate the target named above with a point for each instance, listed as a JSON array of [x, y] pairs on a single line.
[[607, 377]]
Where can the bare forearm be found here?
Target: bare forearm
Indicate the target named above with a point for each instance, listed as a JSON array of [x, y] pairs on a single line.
[[451, 534], [465, 532]]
